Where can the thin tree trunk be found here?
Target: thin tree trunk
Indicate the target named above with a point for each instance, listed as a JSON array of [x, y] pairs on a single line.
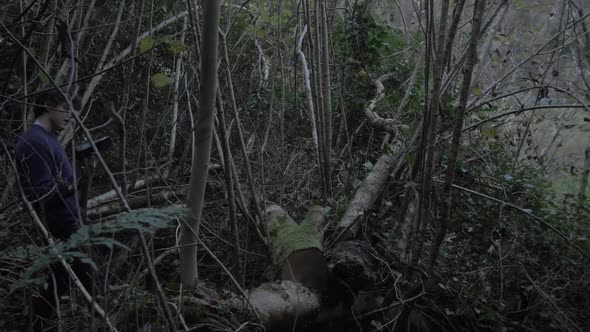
[[24, 85], [48, 41], [84, 32], [308, 91], [327, 98], [457, 13], [198, 181], [143, 141], [317, 86], [280, 51], [125, 103], [231, 197], [457, 130], [430, 128], [483, 53], [584, 180], [234, 104], [176, 95]]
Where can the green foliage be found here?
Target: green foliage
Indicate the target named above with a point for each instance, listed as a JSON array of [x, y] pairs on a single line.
[[25, 262], [44, 79], [174, 46], [368, 49], [146, 44], [486, 234], [160, 80], [356, 183]]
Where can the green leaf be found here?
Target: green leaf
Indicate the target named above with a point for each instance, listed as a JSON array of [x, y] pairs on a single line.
[[368, 165], [410, 158], [274, 19], [174, 46], [44, 79], [488, 132], [251, 29], [146, 44], [477, 92], [260, 33], [356, 183], [160, 80]]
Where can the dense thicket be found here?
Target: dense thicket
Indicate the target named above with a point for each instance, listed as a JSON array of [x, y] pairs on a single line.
[[447, 140]]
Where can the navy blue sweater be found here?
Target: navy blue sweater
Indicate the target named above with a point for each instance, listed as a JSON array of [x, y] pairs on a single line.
[[47, 179]]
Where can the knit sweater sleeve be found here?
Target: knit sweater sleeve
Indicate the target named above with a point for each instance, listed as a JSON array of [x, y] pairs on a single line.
[[37, 167]]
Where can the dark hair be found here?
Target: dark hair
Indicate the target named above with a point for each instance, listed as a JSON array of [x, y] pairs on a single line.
[[51, 98]]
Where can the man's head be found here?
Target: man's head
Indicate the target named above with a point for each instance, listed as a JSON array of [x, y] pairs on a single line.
[[52, 111]]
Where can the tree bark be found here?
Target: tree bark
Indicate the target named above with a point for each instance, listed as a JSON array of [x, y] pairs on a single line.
[[299, 259], [584, 180], [176, 95], [326, 99], [365, 197], [308, 91], [198, 181], [229, 185], [458, 128]]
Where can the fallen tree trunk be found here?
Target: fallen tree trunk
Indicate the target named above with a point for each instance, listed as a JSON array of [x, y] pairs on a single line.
[[364, 198], [139, 184], [298, 258], [303, 297], [308, 292], [134, 203], [112, 194], [296, 249]]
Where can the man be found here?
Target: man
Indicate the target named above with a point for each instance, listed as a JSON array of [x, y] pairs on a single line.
[[47, 178]]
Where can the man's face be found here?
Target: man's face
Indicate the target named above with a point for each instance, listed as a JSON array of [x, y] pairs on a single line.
[[59, 117]]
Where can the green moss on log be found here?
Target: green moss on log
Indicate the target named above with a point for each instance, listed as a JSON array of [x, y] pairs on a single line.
[[287, 237]]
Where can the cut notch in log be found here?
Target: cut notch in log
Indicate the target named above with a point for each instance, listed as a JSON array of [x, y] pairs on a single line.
[[299, 260], [302, 298], [297, 250]]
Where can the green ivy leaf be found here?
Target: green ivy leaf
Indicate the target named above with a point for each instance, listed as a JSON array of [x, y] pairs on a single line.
[[44, 79], [410, 157], [356, 183], [251, 29], [160, 80], [274, 20], [260, 33], [146, 44], [488, 132], [174, 46]]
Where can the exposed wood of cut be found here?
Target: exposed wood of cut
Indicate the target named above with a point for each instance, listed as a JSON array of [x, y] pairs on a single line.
[[297, 251]]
